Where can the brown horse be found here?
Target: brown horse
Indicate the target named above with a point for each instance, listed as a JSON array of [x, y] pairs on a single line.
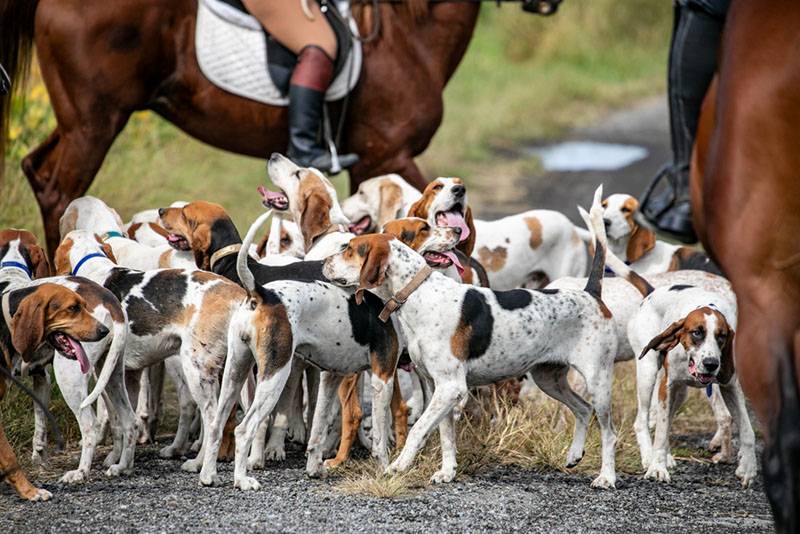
[[746, 197], [101, 61]]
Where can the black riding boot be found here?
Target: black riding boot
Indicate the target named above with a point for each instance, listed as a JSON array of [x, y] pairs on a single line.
[[692, 63], [312, 76], [5, 81]]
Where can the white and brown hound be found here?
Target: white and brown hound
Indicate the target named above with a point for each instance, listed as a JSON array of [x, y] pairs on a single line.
[[638, 245], [460, 336], [378, 201], [21, 259], [170, 311]]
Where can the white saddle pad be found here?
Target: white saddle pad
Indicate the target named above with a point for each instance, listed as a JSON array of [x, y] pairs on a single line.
[[232, 54]]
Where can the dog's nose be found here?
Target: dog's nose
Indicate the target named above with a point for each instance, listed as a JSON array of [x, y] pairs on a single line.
[[459, 190], [607, 223], [161, 212], [710, 364], [102, 331]]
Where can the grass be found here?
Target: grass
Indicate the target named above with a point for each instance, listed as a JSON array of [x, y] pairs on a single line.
[[532, 434], [524, 77]]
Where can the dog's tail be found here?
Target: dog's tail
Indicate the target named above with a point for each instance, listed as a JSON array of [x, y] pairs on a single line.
[[245, 276], [619, 267], [594, 221], [114, 357]]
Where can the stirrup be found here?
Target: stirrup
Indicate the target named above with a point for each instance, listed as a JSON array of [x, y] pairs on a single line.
[[667, 171]]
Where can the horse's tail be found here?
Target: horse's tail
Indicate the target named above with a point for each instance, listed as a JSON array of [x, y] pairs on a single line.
[[16, 50]]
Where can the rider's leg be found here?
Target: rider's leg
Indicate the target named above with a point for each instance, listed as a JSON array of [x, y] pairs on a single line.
[[315, 45], [692, 63]]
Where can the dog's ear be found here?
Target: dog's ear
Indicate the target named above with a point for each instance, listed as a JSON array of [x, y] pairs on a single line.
[[391, 202], [665, 341], [39, 262], [468, 245], [421, 207], [373, 270], [315, 216], [641, 242], [61, 258], [727, 366], [27, 325], [106, 248]]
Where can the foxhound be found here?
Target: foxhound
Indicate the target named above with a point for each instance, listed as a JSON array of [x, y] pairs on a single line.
[[638, 245], [378, 201], [23, 264], [32, 316], [459, 336]]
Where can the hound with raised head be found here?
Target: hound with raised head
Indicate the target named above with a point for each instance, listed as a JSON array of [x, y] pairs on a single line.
[[32, 316], [170, 311], [23, 264], [638, 245], [378, 201], [459, 336]]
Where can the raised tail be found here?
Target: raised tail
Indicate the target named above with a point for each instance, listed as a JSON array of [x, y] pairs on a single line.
[[16, 50], [245, 276], [594, 221], [113, 358], [598, 229]]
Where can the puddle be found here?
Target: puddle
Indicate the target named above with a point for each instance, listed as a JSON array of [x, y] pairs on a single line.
[[588, 156]]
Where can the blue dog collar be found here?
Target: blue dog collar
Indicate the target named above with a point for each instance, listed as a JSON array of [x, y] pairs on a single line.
[[113, 233], [85, 259], [17, 265], [709, 390]]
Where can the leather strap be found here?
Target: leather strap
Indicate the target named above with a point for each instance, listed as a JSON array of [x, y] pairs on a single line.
[[221, 253], [399, 298]]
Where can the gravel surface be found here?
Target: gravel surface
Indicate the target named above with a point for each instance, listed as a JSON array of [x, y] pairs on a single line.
[[159, 498]]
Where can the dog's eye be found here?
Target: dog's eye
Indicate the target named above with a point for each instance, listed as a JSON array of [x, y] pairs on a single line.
[[75, 308], [625, 210], [438, 187], [297, 174], [698, 333], [721, 338]]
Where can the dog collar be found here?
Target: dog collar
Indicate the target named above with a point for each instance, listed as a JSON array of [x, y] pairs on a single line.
[[85, 259], [399, 298], [709, 390], [17, 265], [113, 233], [221, 253]]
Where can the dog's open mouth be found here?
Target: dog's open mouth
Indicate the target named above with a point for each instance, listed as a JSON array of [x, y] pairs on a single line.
[[178, 242], [361, 226], [703, 378], [70, 348], [442, 260], [273, 199], [454, 218]]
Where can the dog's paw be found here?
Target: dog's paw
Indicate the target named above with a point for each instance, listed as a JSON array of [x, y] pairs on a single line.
[[746, 470], [247, 484], [209, 479], [169, 452], [111, 459], [443, 476], [117, 470], [275, 453], [671, 461], [39, 495], [77, 476], [297, 432], [192, 466], [39, 457], [724, 456], [316, 470], [657, 472], [574, 458], [605, 482], [255, 462], [716, 442], [196, 445]]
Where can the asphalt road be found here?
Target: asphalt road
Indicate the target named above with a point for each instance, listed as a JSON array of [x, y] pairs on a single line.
[[161, 498]]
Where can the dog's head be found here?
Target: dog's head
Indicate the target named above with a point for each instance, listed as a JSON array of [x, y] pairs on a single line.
[[21, 247], [378, 201], [291, 242], [434, 243], [618, 216], [89, 213], [361, 263], [308, 196], [444, 203], [200, 226], [54, 314], [79, 247], [707, 338]]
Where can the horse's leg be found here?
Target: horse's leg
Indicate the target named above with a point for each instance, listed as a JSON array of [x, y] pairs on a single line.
[[63, 167]]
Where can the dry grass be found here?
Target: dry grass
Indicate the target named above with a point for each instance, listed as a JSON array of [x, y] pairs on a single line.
[[530, 434]]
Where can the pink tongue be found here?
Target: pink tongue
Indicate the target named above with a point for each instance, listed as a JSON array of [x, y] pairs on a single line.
[[80, 355], [173, 238], [269, 195], [360, 227], [452, 257], [454, 219]]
